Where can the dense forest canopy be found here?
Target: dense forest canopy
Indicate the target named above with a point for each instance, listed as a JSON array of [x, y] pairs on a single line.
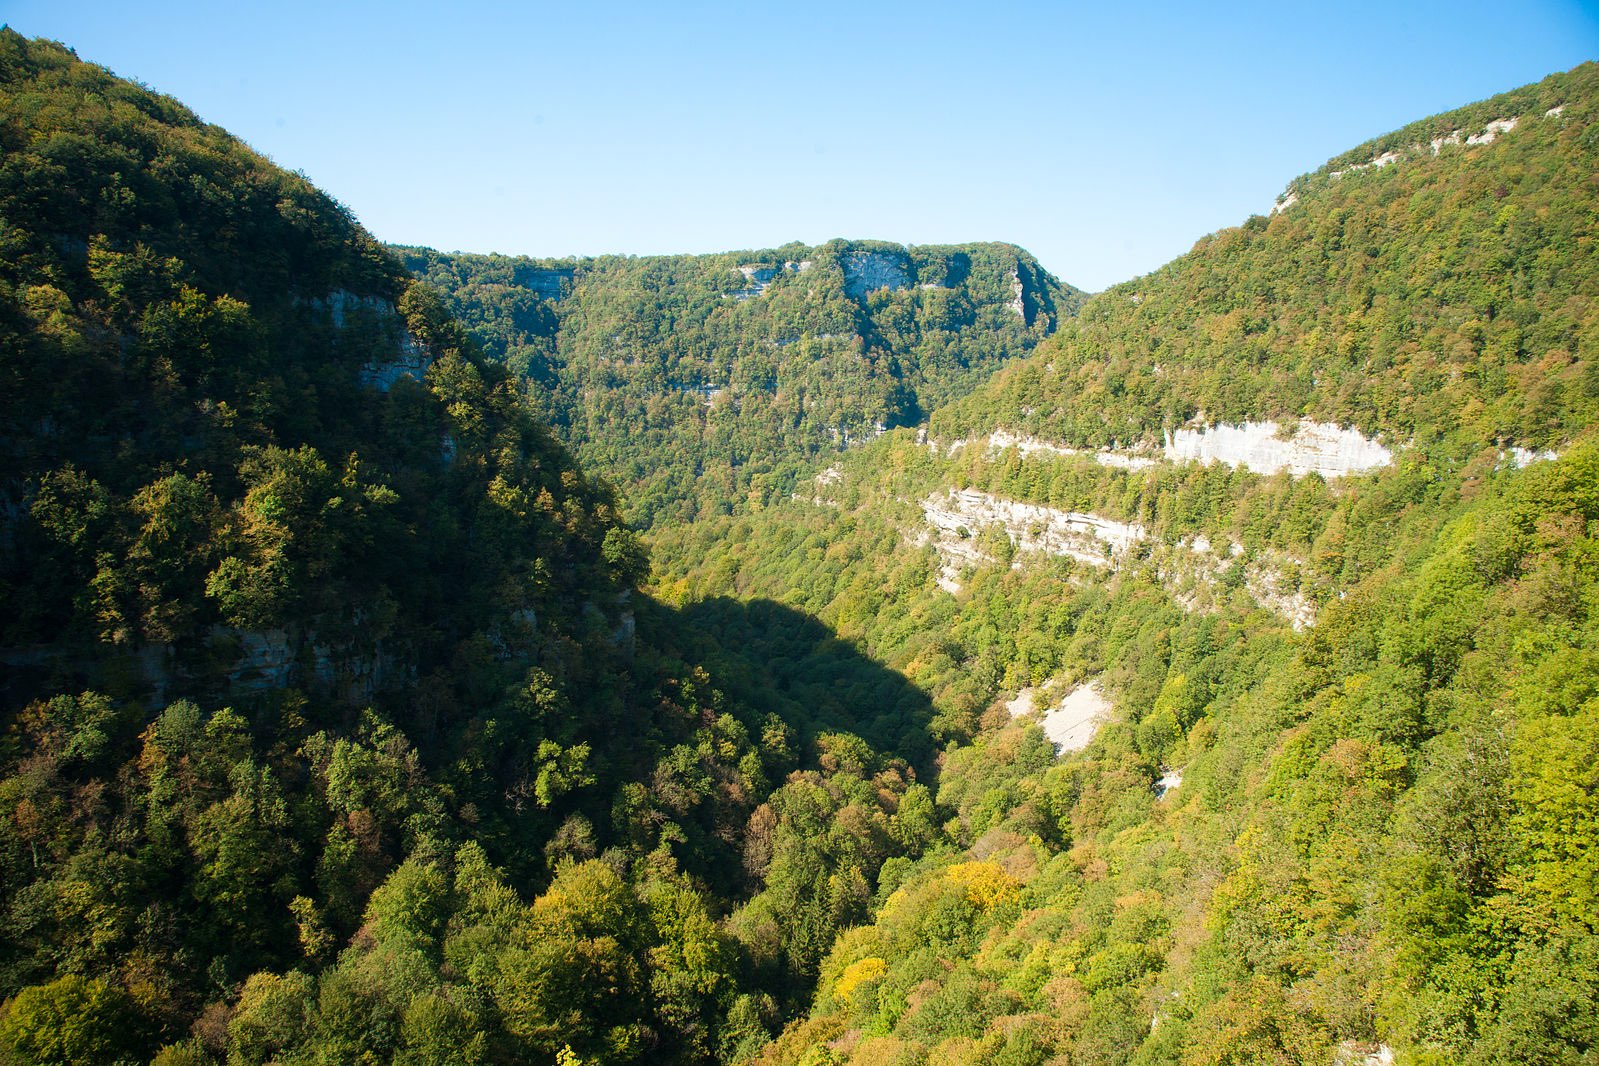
[[346, 718], [326, 679]]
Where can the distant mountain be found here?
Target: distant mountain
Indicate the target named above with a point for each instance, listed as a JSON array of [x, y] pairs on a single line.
[[700, 383]]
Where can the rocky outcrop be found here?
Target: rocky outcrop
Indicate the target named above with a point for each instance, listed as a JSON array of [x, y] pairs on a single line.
[[1525, 457], [411, 359], [551, 283], [1001, 439], [757, 278], [1312, 447], [278, 658], [956, 518], [1359, 1053], [1199, 575], [1309, 447], [819, 484], [866, 272], [412, 362], [1070, 722], [1487, 135], [340, 305]]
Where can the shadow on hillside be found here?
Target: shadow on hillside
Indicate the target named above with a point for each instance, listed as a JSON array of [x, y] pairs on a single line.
[[775, 659]]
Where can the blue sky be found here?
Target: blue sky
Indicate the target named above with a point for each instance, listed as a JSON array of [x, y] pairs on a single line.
[[1104, 138]]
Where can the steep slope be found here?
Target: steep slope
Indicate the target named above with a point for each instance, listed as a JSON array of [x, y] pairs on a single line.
[[700, 383], [1333, 809], [227, 409], [332, 727], [1431, 287]]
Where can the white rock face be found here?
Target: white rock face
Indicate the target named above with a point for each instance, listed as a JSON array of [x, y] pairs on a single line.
[[1022, 705], [1315, 447], [1288, 200], [1001, 439], [957, 517], [1524, 457], [757, 279], [818, 495], [1355, 1053], [1070, 723], [1492, 130], [1194, 571], [1018, 291], [1124, 460], [1554, 112], [1169, 781], [866, 272]]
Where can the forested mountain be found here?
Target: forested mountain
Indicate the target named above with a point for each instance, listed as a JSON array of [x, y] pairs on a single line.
[[345, 720], [705, 383], [333, 727], [1338, 805], [1432, 286]]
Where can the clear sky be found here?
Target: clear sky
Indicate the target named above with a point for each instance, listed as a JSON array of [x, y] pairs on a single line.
[[1105, 138]]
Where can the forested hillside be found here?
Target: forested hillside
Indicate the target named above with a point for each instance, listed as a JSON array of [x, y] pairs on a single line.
[[702, 384], [1218, 683], [1433, 286], [1338, 805], [334, 729]]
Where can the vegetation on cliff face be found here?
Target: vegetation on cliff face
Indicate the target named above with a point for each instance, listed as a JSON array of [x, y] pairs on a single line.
[[701, 384], [339, 727]]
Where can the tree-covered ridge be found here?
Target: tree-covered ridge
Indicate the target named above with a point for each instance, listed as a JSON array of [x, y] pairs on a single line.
[[1445, 300], [1359, 856], [197, 349], [699, 383], [332, 726]]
